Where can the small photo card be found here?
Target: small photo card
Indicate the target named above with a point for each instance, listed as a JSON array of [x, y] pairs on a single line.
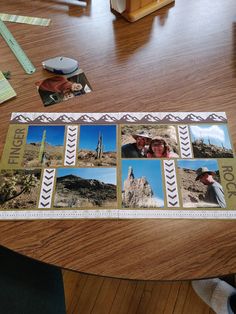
[[60, 88]]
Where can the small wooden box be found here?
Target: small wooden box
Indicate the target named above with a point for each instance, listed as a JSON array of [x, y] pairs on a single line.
[[136, 9]]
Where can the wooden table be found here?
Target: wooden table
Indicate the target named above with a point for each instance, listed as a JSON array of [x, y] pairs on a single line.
[[180, 58]]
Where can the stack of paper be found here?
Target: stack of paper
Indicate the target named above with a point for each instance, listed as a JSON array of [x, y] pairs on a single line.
[[6, 91]]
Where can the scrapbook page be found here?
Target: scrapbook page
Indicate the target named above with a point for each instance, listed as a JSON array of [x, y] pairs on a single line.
[[118, 165]]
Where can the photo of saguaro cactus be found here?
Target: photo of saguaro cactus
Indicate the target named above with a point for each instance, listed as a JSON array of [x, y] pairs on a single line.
[[44, 146], [97, 145]]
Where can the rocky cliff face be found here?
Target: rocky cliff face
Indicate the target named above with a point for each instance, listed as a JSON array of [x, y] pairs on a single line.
[[74, 191], [137, 192]]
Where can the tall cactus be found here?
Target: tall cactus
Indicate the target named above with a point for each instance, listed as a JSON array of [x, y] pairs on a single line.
[[42, 147], [99, 148]]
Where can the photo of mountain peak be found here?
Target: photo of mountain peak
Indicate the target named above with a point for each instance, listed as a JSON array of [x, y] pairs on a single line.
[[85, 187]]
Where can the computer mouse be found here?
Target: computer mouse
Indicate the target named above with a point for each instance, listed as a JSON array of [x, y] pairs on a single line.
[[61, 65]]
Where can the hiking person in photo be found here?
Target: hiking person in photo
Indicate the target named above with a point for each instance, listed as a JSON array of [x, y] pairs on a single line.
[[159, 148], [215, 193], [136, 149]]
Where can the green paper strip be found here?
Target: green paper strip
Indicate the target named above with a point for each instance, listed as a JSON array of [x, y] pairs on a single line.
[[6, 91], [24, 19]]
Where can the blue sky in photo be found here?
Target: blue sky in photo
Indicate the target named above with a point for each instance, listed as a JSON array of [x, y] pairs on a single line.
[[54, 134], [89, 137], [106, 175], [217, 134], [194, 164], [151, 169]]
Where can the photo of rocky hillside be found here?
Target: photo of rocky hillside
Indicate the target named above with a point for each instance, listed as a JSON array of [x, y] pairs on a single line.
[[89, 158], [211, 141], [76, 190], [203, 150]]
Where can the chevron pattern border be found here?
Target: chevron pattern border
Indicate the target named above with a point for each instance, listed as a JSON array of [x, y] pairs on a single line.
[[184, 141], [118, 117], [172, 194], [45, 198], [71, 141]]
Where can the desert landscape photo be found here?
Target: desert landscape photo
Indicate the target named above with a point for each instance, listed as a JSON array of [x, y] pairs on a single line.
[[44, 146], [19, 188], [97, 146], [86, 188], [211, 141]]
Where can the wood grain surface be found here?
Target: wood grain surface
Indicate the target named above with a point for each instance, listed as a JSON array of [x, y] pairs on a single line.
[[89, 294], [181, 58]]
